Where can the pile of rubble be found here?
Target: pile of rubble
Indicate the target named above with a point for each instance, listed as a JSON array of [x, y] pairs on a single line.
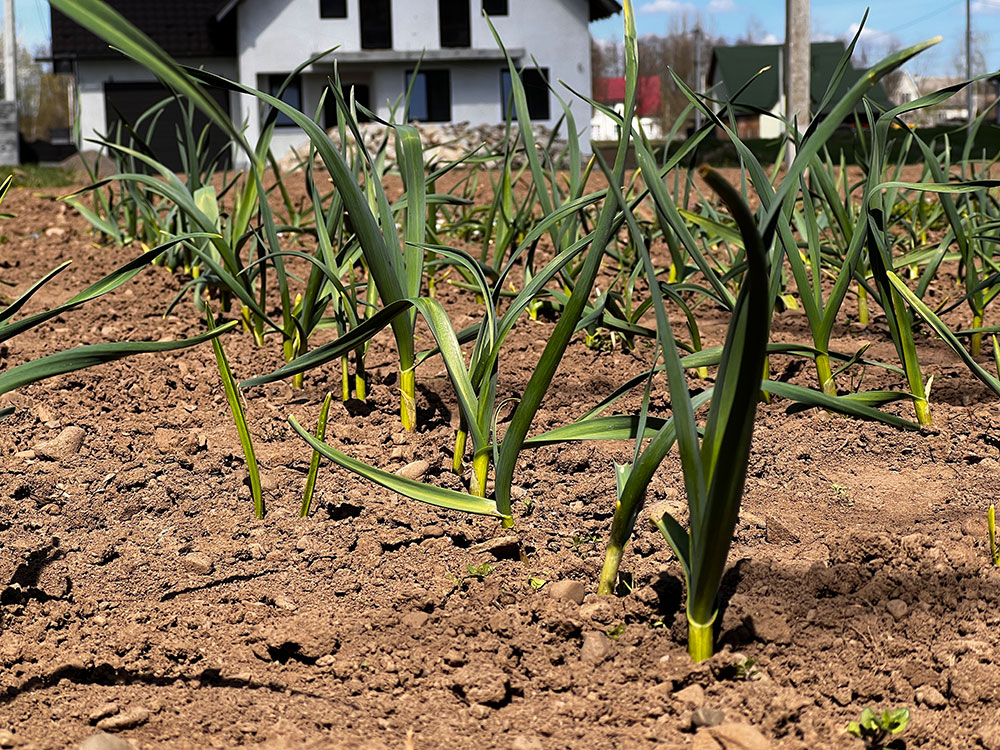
[[443, 143]]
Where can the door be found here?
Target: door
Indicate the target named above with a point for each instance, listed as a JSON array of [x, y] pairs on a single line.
[[128, 101]]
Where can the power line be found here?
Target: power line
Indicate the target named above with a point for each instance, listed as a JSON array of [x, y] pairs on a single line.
[[921, 19]]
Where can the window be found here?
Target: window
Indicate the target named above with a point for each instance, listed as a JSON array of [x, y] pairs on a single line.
[[495, 7], [333, 8], [291, 95], [376, 24], [536, 91], [431, 97], [454, 23]]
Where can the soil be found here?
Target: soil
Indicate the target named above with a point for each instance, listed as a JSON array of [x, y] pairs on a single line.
[[139, 595]]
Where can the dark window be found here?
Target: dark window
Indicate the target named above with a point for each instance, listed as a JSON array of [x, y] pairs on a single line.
[[291, 95], [362, 96], [536, 91], [453, 20], [333, 8], [495, 7], [431, 97], [376, 24]]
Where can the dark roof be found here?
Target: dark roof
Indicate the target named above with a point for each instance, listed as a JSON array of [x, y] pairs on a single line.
[[648, 96], [734, 66], [603, 9], [184, 28]]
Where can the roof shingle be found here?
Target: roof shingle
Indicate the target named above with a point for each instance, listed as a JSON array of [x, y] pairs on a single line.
[[184, 28]]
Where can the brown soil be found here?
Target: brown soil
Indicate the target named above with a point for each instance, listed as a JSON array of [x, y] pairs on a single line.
[[137, 588]]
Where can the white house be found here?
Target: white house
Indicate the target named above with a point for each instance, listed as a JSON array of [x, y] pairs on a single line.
[[462, 76]]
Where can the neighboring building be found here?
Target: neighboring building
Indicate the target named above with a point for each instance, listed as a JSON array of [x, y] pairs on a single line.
[[463, 76], [955, 109], [648, 107], [732, 67]]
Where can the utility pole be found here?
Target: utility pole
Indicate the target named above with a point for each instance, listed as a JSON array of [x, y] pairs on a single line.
[[699, 76], [8, 107], [969, 94], [797, 63]]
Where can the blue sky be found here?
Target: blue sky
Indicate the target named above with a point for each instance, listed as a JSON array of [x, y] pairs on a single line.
[[32, 20], [891, 23]]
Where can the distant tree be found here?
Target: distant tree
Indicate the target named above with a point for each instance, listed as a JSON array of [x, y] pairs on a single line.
[[675, 51], [43, 98], [755, 33]]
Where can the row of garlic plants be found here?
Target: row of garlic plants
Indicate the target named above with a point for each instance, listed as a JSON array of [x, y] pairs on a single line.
[[813, 240]]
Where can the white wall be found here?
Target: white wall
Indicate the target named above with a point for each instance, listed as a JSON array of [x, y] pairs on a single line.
[[276, 37], [93, 74]]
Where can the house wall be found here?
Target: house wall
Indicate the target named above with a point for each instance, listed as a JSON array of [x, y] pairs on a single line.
[[277, 37], [93, 74], [773, 127]]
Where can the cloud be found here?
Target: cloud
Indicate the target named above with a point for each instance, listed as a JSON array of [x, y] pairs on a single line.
[[680, 6], [668, 6], [873, 43], [768, 38], [986, 6], [874, 37]]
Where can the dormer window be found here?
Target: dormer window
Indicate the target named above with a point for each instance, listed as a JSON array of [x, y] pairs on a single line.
[[333, 8]]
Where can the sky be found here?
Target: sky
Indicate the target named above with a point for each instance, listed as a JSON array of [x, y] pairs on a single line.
[[891, 24], [32, 21]]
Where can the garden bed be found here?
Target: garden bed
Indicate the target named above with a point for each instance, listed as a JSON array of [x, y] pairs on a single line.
[[139, 595]]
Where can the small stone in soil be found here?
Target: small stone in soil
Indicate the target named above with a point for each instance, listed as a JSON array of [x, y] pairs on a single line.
[[596, 647], [198, 563], [931, 697], [897, 608], [502, 547], [108, 709], [415, 470], [707, 717], [134, 717], [106, 742], [692, 695], [524, 742], [64, 445], [733, 736], [7, 739], [572, 591]]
